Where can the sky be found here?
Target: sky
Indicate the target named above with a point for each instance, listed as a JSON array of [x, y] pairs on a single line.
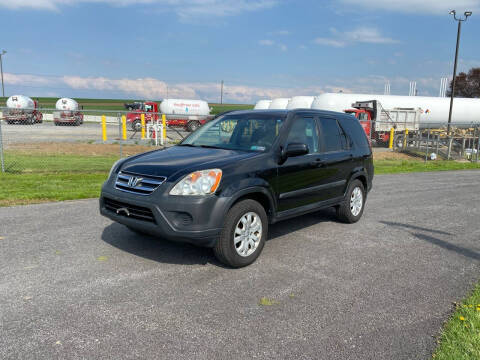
[[153, 49]]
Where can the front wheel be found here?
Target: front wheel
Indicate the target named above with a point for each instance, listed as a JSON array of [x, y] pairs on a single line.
[[351, 209], [244, 234]]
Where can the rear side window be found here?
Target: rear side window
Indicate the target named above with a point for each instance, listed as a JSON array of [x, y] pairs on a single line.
[[355, 131], [333, 136]]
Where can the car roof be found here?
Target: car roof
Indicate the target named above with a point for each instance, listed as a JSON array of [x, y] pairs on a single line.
[[286, 112]]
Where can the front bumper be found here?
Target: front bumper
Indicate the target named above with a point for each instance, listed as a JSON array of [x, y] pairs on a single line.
[[192, 219]]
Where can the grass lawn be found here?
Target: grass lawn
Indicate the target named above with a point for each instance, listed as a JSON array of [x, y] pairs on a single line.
[[52, 172], [460, 339]]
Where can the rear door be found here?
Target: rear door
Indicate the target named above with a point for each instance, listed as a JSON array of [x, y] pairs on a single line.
[[336, 155]]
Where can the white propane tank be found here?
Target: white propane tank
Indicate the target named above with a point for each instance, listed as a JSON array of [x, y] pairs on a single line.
[[66, 104], [20, 102], [300, 102], [434, 109], [184, 107], [262, 104], [279, 103]]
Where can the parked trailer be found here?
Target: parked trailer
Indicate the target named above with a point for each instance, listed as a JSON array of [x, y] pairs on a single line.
[[434, 109], [67, 112], [300, 102], [23, 110], [262, 105], [190, 118], [279, 104], [378, 121]]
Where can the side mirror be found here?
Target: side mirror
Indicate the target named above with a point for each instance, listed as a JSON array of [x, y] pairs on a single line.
[[296, 149]]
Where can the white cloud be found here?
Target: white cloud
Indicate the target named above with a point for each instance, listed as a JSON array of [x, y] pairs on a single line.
[[414, 6], [279, 33], [184, 9], [266, 42], [329, 42], [368, 35], [361, 34]]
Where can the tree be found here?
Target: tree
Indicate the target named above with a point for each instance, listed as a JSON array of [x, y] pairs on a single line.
[[468, 85]]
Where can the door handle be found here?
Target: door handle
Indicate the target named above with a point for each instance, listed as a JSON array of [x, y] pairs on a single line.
[[319, 162]]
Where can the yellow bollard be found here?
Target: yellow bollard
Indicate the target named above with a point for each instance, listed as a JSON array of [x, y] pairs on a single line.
[[405, 139], [390, 140], [104, 128], [164, 124], [142, 119], [124, 127]]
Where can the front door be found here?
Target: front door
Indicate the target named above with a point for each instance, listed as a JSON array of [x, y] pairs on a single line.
[[300, 178]]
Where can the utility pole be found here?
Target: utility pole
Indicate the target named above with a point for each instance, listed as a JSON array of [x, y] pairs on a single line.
[[452, 95], [221, 93], [1, 70]]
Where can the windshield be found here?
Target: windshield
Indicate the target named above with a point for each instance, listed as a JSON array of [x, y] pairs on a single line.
[[247, 132]]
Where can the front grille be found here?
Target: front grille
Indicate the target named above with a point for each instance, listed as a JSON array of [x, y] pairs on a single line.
[[137, 183], [129, 210]]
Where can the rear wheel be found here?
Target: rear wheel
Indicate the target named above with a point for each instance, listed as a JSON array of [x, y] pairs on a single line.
[[193, 125], [351, 210], [136, 125], [243, 235]]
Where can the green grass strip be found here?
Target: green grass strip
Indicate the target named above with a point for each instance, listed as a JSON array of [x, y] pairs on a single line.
[[460, 339]]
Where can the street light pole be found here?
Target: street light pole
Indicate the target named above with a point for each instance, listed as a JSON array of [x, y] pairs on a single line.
[[452, 94], [1, 70]]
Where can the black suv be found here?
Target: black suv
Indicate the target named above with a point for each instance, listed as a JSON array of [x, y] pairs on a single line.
[[225, 183]]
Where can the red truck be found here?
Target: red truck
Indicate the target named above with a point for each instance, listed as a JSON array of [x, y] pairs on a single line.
[[378, 122], [152, 113]]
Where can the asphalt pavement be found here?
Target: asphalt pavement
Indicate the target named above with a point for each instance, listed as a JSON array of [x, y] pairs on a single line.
[[74, 285]]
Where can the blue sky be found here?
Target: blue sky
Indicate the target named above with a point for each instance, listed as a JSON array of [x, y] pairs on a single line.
[[261, 49]]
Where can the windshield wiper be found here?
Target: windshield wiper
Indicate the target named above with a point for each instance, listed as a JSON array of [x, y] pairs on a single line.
[[191, 145], [211, 147]]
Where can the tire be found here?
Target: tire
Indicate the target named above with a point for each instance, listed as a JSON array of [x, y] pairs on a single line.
[[193, 125], [229, 253], [136, 125], [351, 210]]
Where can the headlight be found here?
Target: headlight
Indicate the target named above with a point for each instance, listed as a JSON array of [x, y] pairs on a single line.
[[202, 182], [115, 166]]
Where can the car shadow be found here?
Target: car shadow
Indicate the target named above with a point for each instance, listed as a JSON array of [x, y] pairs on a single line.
[[164, 251], [414, 230]]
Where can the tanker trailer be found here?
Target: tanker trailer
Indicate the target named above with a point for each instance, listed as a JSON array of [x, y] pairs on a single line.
[[262, 104], [67, 112], [300, 102], [434, 110], [190, 114], [279, 104], [22, 110]]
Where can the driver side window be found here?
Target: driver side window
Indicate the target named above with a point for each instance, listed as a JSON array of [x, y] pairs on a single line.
[[304, 131]]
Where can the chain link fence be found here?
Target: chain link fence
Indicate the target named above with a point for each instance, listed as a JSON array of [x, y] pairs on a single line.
[[435, 141], [48, 140]]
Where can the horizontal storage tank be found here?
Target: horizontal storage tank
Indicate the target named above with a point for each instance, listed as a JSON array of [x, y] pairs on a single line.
[[184, 107], [66, 104], [279, 103], [434, 109], [262, 104], [20, 102], [300, 102]]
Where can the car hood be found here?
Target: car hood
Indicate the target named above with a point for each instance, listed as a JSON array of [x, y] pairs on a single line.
[[183, 159]]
